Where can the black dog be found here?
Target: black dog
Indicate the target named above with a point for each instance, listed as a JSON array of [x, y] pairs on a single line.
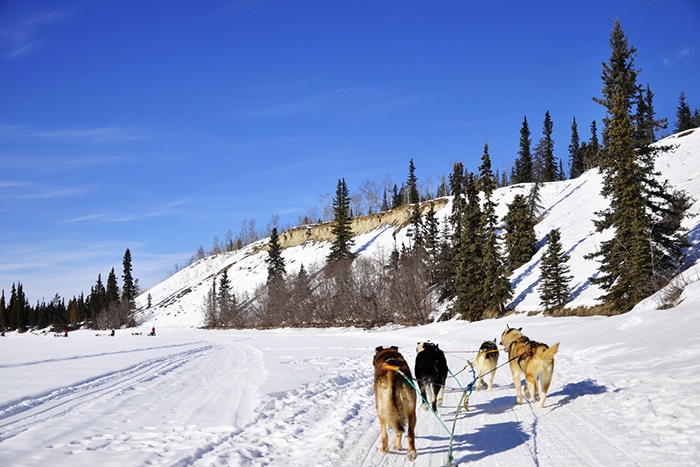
[[431, 373]]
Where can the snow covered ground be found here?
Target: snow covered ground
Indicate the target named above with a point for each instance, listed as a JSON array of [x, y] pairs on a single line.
[[623, 391], [623, 394]]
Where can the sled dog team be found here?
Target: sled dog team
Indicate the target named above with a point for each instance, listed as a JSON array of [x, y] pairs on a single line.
[[396, 397]]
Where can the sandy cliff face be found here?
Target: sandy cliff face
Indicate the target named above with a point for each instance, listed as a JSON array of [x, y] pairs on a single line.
[[399, 218]]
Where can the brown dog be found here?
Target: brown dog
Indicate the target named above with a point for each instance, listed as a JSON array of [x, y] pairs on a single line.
[[486, 363], [531, 359], [396, 399]]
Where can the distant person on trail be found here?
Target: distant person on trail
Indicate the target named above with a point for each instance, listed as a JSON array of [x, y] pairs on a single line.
[[112, 334], [65, 333], [153, 331]]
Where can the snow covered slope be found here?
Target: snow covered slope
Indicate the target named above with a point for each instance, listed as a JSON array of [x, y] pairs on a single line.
[[569, 206]]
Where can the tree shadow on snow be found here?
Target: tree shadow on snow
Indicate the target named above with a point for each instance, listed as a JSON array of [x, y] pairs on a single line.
[[571, 391]]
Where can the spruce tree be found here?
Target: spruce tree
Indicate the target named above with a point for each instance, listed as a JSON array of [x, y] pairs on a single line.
[[591, 151], [683, 115], [642, 255], [431, 239], [97, 300], [412, 184], [3, 312], [211, 310], [341, 229], [549, 165], [554, 274], [496, 287], [417, 226], [275, 262], [520, 239], [523, 171], [467, 260], [129, 288], [575, 154], [452, 239], [112, 288], [225, 301]]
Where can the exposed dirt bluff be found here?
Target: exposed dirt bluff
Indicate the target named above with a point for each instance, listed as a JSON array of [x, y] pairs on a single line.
[[399, 218]]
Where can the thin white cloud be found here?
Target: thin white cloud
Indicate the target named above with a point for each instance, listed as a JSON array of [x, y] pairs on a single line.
[[23, 35], [103, 134], [312, 104], [167, 209], [44, 195], [677, 56]]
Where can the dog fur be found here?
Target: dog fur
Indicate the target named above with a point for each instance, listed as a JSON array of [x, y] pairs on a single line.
[[486, 363], [431, 373], [395, 398], [531, 359]]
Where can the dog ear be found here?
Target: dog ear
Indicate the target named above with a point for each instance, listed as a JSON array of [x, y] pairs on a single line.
[[520, 329], [393, 347], [494, 340], [379, 349]]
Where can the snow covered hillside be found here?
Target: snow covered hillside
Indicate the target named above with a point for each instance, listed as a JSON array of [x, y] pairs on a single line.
[[569, 206]]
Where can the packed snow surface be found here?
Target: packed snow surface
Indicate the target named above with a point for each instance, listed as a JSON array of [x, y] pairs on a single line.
[[623, 393]]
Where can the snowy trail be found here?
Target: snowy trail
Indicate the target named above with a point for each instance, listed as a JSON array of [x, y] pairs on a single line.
[[305, 398], [155, 412]]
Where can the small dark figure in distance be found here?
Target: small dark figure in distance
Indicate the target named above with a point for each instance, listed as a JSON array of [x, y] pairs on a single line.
[[112, 333], [431, 373], [65, 333], [153, 331]]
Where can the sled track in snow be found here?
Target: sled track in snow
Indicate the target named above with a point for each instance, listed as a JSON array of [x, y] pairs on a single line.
[[18, 416]]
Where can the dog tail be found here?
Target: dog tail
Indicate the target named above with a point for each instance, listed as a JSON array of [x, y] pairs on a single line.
[[550, 352]]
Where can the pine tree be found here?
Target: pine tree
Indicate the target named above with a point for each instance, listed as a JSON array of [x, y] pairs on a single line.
[[129, 287], [417, 226], [3, 312], [590, 151], [554, 274], [683, 115], [431, 235], [642, 255], [225, 302], [467, 260], [523, 171], [575, 154], [341, 229], [497, 290], [275, 262], [211, 310], [301, 307], [452, 239], [644, 120], [520, 239], [97, 300], [395, 198], [549, 166], [412, 184], [112, 290]]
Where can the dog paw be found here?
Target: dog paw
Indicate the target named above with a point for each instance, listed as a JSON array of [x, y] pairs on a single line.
[[527, 394], [411, 455], [424, 406]]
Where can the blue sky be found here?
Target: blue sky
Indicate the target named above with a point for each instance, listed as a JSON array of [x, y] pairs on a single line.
[[158, 125]]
